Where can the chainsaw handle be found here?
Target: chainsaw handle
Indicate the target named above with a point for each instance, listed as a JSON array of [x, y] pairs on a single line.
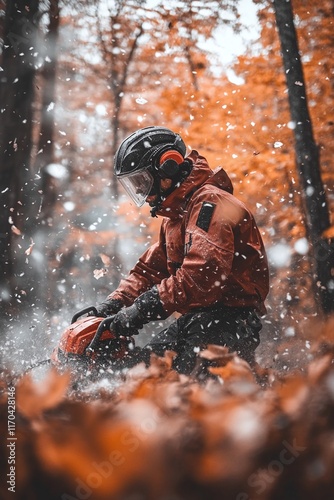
[[84, 311], [104, 325]]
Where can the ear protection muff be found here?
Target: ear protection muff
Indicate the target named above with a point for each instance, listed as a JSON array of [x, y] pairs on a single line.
[[169, 163]]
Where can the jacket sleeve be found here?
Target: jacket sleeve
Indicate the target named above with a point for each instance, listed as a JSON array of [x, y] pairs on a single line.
[[199, 282], [150, 270]]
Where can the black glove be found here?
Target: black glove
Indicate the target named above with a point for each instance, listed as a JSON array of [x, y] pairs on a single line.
[[147, 307], [108, 308], [127, 321]]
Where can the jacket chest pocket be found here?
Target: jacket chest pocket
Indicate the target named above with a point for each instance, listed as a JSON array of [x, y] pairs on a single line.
[[175, 245], [174, 248], [175, 255]]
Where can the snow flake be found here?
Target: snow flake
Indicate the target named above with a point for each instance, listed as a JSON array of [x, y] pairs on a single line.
[[278, 144], [141, 100], [290, 331], [301, 246], [101, 109], [69, 206], [57, 170], [279, 255]]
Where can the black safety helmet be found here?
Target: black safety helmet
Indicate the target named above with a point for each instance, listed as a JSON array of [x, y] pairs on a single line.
[[145, 157]]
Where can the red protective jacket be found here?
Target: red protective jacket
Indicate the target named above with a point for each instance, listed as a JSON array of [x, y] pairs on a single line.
[[209, 252]]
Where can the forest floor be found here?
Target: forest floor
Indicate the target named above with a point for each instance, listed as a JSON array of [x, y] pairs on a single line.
[[153, 434]]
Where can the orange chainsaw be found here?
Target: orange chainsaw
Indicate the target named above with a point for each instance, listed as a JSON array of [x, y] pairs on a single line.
[[89, 343]]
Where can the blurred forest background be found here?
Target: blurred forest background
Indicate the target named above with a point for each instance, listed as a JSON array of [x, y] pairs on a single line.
[[256, 97], [78, 76]]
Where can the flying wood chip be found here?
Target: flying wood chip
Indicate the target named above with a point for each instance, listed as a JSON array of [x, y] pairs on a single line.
[[105, 259], [15, 230], [99, 273], [29, 249]]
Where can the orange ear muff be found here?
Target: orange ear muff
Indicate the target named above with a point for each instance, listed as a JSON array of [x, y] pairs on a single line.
[[169, 163], [171, 155]]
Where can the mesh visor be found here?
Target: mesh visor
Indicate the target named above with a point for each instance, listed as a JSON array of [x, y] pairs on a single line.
[[138, 185]]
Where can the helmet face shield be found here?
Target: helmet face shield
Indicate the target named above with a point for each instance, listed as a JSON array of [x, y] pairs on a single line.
[[138, 186]]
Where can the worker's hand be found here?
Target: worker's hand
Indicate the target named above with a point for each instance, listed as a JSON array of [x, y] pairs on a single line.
[[108, 308], [128, 320], [147, 307]]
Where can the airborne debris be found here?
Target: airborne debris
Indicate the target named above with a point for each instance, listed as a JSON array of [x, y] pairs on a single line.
[[99, 273], [31, 246], [15, 230]]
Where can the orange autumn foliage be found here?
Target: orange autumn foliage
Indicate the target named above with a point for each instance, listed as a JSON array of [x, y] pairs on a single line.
[[153, 433], [244, 128]]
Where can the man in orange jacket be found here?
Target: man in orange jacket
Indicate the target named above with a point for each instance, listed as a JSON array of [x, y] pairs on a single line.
[[209, 263]]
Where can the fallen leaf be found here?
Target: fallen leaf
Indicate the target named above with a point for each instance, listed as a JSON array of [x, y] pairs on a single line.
[[35, 397]]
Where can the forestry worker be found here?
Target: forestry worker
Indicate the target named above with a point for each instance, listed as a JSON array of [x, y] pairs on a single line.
[[209, 263]]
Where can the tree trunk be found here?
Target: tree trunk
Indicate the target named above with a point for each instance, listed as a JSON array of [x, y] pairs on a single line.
[[307, 159], [46, 134], [16, 98]]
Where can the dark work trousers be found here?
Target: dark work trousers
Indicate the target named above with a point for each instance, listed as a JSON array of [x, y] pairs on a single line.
[[236, 328]]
